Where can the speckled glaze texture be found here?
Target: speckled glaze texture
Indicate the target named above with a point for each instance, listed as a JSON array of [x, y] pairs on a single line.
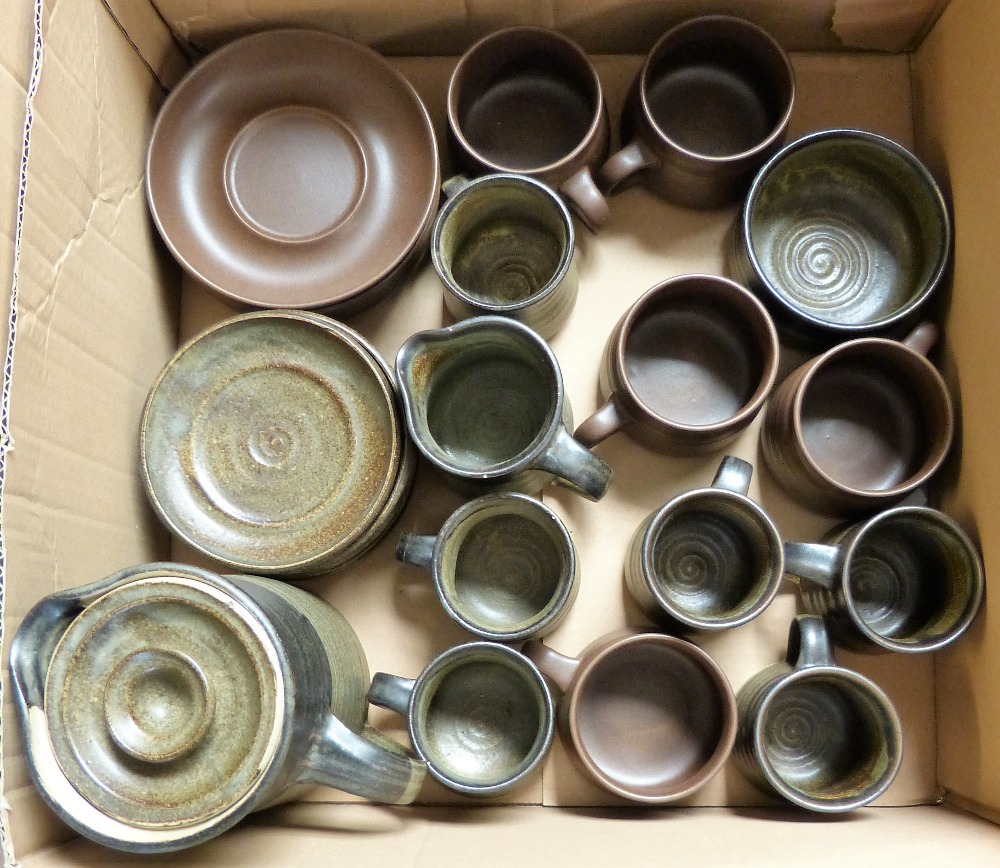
[[648, 717], [485, 404], [907, 580], [504, 566], [504, 245], [214, 696], [479, 714], [859, 427], [821, 736], [844, 234], [708, 559], [274, 443], [709, 106], [687, 368], [528, 100]]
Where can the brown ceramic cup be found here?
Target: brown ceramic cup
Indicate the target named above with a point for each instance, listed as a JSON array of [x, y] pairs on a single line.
[[527, 100], [909, 579], [708, 559], [687, 368], [859, 427], [710, 104], [649, 717]]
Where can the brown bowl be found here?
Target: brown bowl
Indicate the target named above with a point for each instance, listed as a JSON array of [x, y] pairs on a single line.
[[294, 169]]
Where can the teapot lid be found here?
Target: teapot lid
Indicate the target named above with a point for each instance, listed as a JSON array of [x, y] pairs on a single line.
[[164, 702]]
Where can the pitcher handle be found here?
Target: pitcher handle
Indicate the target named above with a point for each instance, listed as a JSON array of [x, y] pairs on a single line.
[[576, 465], [368, 765]]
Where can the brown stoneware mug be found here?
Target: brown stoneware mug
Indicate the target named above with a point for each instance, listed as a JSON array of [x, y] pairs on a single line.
[[504, 245], [908, 580], [859, 427], [504, 566], [480, 715], [484, 402], [710, 104], [687, 368], [528, 100], [822, 736], [649, 717], [709, 558], [844, 234]]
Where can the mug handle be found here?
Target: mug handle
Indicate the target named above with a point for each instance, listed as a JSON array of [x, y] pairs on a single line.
[[607, 420], [923, 337], [392, 692], [734, 474], [813, 562], [417, 550], [557, 667], [576, 465], [808, 643], [624, 164], [455, 185], [368, 765], [586, 199]]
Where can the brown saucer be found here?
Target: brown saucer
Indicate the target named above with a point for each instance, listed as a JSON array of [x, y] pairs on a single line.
[[294, 169]]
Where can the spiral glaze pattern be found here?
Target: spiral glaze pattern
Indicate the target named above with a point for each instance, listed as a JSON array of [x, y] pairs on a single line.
[[704, 564], [507, 573], [827, 263]]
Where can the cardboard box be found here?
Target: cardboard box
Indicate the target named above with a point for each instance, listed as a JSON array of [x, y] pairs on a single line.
[[97, 307]]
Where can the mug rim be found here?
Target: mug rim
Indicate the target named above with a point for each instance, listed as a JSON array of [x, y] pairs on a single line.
[[710, 162], [801, 316], [613, 644], [512, 659], [554, 609], [552, 284], [621, 383], [933, 459], [762, 519], [894, 744], [942, 521], [599, 106]]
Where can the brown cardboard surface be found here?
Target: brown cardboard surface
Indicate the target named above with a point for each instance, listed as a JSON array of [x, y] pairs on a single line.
[[98, 319], [601, 26], [319, 835], [95, 322], [957, 126]]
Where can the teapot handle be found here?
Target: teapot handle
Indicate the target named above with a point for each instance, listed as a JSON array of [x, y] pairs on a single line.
[[368, 765]]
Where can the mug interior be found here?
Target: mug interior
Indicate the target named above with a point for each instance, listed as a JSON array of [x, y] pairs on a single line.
[[873, 417], [652, 721], [847, 230], [827, 741], [713, 559], [526, 99], [489, 399], [503, 244], [696, 354], [718, 88], [480, 720], [506, 568], [912, 580]]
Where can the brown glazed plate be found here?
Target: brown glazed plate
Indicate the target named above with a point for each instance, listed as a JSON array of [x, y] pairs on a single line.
[[273, 443], [294, 169]]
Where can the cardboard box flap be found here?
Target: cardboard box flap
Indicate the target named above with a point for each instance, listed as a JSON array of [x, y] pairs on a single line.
[[601, 26]]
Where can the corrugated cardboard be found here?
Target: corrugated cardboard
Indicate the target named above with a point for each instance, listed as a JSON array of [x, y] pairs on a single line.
[[101, 307]]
